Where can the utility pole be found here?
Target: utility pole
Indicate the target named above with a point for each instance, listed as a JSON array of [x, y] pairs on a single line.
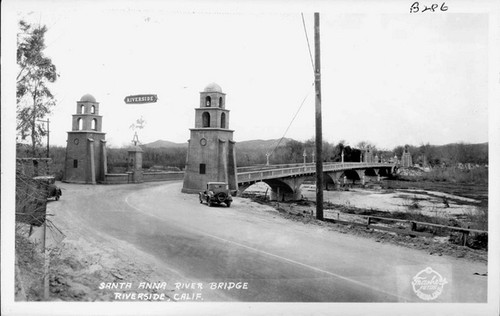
[[48, 134], [45, 281], [319, 131], [48, 137]]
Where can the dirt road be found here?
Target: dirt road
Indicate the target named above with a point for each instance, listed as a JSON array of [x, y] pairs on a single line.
[[152, 232]]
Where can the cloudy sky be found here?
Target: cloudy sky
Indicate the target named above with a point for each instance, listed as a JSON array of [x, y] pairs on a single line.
[[388, 77]]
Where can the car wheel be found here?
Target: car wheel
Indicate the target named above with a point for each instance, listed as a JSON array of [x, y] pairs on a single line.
[[228, 203]]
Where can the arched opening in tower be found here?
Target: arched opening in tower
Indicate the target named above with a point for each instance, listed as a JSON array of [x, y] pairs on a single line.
[[206, 119], [92, 109], [79, 123], [208, 101], [94, 124], [220, 102], [223, 120]]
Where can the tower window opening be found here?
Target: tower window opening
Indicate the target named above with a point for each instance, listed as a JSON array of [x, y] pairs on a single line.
[[75, 163], [82, 109], [206, 119], [79, 121], [92, 109], [220, 102], [208, 101], [203, 168], [94, 125], [223, 120]]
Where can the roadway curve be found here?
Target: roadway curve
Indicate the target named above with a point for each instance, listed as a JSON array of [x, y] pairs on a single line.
[[282, 260]]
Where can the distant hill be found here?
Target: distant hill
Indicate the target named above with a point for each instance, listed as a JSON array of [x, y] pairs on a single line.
[[165, 144], [260, 145], [248, 145]]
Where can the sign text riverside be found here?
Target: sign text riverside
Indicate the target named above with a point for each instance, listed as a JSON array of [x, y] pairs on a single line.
[[141, 98]]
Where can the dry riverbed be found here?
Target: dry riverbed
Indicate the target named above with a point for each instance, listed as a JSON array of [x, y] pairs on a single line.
[[346, 205]]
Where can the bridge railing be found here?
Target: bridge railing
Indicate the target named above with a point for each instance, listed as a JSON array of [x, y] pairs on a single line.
[[269, 167], [273, 173]]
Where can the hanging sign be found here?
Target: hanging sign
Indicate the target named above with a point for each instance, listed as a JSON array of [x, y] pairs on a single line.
[[141, 98]]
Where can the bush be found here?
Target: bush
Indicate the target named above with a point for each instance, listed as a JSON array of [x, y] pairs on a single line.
[[456, 175], [478, 241]]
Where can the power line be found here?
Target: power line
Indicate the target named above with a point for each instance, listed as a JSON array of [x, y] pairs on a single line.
[[296, 113], [307, 39], [304, 100]]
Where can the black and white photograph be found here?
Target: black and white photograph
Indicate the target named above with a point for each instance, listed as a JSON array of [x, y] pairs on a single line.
[[250, 158]]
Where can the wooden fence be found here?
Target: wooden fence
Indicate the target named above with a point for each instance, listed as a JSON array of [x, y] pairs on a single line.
[[411, 228]]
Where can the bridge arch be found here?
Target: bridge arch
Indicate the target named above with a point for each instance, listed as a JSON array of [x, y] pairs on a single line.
[[352, 174], [385, 172], [372, 172], [282, 189]]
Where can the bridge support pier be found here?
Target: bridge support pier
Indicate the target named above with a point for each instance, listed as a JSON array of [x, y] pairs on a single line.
[[335, 177], [361, 174], [287, 189], [281, 195], [377, 172]]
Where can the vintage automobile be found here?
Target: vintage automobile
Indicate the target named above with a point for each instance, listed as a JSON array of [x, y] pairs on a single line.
[[216, 193], [47, 184]]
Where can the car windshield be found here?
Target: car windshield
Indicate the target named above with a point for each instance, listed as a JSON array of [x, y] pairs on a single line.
[[218, 186]]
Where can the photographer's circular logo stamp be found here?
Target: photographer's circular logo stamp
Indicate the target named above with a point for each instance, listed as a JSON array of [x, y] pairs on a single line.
[[428, 284]]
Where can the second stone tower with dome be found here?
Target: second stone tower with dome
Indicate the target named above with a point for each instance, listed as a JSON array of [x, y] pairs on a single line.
[[86, 144], [211, 152]]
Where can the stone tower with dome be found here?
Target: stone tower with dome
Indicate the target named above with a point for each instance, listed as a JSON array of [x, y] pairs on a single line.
[[211, 152], [86, 145]]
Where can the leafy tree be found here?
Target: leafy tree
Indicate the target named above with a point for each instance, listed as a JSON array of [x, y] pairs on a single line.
[[34, 99], [290, 153], [352, 154], [398, 151], [363, 145]]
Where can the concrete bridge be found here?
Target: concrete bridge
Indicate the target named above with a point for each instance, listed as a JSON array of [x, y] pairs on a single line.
[[285, 180]]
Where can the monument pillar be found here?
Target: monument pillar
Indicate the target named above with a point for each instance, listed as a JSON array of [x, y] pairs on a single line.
[[135, 163], [211, 152]]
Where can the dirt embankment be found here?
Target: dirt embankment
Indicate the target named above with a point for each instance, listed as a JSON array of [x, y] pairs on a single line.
[[84, 263]]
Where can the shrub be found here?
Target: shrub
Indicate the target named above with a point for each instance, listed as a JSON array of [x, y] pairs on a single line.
[[457, 175]]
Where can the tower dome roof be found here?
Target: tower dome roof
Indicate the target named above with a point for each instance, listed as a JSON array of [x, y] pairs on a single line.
[[88, 98], [213, 87]]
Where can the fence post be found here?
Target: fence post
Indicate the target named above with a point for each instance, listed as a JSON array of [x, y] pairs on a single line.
[[465, 234], [413, 226]]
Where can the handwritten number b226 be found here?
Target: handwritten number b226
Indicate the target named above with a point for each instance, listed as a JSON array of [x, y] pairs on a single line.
[[416, 7]]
